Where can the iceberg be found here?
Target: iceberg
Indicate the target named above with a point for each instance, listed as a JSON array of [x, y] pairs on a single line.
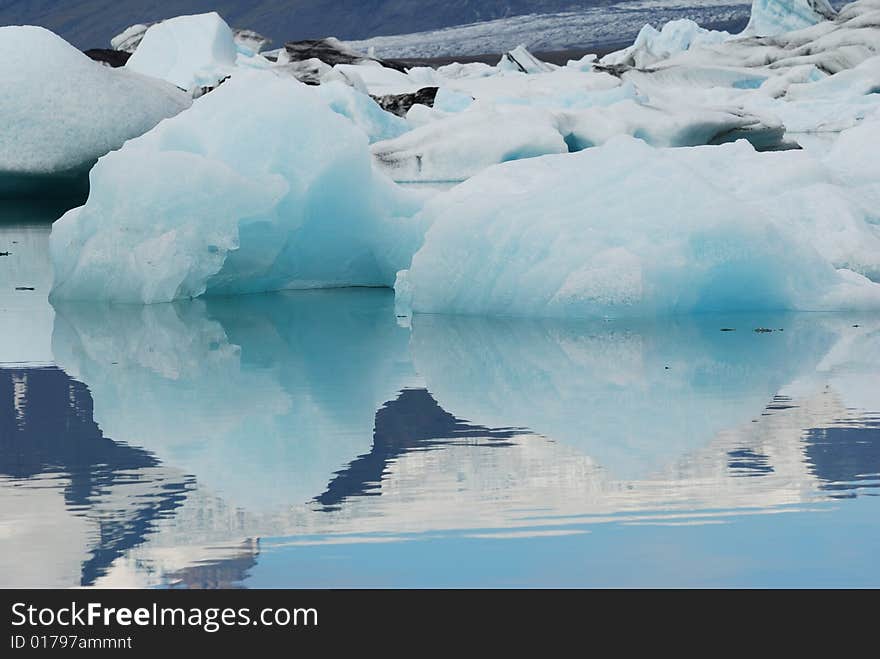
[[249, 42], [627, 230], [522, 61], [62, 111], [652, 45], [771, 17], [288, 199], [400, 104], [130, 38], [188, 51]]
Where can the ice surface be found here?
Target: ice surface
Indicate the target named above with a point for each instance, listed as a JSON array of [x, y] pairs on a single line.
[[195, 207], [187, 51], [627, 229], [61, 111], [770, 17]]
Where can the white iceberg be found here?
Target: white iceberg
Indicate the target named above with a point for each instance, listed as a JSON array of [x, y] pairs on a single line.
[[771, 17], [62, 111], [522, 61], [260, 186], [630, 230], [187, 51], [130, 38], [652, 45]]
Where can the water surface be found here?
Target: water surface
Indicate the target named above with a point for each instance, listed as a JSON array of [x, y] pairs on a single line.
[[316, 439]]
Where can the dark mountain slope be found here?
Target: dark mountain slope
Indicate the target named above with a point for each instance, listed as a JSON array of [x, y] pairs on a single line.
[[91, 23]]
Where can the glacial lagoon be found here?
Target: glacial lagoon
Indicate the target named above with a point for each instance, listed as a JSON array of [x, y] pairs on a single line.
[[316, 439]]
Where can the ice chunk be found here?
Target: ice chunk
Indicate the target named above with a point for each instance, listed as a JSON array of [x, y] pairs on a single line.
[[458, 147], [310, 71], [626, 229], [250, 42], [457, 71], [380, 80], [585, 63], [332, 52], [770, 17], [61, 111], [363, 111], [187, 51], [521, 60], [288, 199], [400, 104], [348, 76], [652, 45], [130, 38]]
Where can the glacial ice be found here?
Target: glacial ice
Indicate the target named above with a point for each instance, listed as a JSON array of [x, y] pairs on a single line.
[[771, 17], [188, 51], [626, 229], [61, 111], [222, 210]]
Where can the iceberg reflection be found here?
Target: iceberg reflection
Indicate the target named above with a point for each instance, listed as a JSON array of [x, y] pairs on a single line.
[[269, 422]]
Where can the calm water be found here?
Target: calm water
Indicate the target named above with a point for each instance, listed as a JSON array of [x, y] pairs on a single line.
[[315, 439]]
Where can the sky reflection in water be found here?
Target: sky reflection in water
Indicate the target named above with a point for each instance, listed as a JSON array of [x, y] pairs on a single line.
[[315, 439]]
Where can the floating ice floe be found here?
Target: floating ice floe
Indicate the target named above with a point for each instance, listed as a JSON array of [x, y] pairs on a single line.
[[61, 111], [627, 229], [225, 205]]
